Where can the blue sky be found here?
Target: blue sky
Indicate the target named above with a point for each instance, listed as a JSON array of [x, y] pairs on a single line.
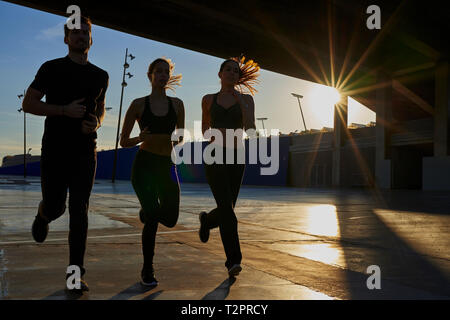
[[31, 37]]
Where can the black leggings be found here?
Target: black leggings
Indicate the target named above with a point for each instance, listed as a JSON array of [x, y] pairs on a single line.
[[155, 181], [225, 182], [75, 172]]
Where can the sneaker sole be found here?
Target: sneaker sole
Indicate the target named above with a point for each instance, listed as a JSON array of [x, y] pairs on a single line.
[[78, 291], [149, 284]]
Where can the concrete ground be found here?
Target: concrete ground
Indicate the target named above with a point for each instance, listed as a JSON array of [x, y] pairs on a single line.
[[297, 244]]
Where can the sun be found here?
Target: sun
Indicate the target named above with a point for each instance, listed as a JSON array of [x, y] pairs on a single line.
[[324, 95], [334, 95]]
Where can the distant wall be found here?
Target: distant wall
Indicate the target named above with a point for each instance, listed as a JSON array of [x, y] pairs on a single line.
[[192, 173]]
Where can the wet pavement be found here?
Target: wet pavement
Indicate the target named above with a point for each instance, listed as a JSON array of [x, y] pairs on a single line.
[[297, 244]]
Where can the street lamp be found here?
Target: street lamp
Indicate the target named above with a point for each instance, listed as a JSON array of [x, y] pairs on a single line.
[[20, 96], [262, 120], [298, 96], [124, 84]]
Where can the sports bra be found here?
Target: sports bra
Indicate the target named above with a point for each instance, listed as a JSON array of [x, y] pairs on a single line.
[[230, 118], [158, 124]]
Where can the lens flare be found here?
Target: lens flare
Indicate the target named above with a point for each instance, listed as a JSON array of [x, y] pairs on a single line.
[[335, 96]]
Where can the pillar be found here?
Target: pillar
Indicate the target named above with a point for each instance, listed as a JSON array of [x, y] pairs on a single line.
[[339, 139]]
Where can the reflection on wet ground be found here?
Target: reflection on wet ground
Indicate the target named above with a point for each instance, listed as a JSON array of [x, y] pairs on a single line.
[[309, 243], [3, 274]]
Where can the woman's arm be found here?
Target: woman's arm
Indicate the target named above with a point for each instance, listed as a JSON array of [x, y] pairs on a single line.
[[248, 109], [180, 120], [206, 116], [130, 118], [249, 113]]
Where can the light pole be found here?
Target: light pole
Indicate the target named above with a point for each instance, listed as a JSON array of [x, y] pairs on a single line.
[[124, 84], [298, 96], [262, 120], [20, 96]]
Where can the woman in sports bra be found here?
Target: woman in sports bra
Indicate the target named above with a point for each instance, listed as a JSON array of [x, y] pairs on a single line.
[[228, 109], [153, 175]]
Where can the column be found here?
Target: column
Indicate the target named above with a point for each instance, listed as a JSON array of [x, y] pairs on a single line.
[[436, 169], [383, 108], [339, 138]]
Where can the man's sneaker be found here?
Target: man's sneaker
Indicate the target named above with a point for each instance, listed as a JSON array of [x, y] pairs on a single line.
[[83, 287], [39, 229], [234, 270], [148, 278], [142, 215], [83, 284], [204, 230]]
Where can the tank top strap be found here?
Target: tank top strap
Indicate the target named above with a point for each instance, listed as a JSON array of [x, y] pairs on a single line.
[[147, 104], [171, 112], [215, 98], [170, 104]]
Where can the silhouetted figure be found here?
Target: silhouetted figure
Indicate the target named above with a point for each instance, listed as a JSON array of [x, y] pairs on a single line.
[[228, 109], [74, 108], [153, 175]]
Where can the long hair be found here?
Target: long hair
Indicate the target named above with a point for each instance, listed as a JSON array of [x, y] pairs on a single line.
[[174, 80], [248, 74]]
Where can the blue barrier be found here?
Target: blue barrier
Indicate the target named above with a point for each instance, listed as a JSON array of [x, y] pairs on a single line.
[[189, 173]]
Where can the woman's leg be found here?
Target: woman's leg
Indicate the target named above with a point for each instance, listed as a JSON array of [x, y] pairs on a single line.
[[235, 177], [220, 183], [169, 194], [144, 184]]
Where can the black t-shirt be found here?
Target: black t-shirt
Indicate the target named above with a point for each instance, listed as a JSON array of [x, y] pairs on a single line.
[[62, 81]]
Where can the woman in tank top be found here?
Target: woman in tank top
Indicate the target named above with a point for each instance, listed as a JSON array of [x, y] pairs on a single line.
[[228, 109], [153, 175]]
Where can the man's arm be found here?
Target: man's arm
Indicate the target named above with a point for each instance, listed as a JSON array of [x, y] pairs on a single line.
[[95, 121], [100, 110], [32, 104]]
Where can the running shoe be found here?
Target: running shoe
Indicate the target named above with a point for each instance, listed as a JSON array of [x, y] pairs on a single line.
[[142, 215], [148, 278], [204, 230], [83, 284], [39, 229], [234, 270]]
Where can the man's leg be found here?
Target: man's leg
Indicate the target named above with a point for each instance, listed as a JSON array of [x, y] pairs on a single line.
[[54, 184], [82, 169]]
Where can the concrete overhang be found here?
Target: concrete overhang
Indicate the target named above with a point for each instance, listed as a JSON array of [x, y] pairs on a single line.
[[289, 37]]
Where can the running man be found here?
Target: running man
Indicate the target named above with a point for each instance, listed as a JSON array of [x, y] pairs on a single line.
[[74, 108]]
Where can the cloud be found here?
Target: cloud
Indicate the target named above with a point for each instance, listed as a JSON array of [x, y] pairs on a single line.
[[110, 120], [52, 32]]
